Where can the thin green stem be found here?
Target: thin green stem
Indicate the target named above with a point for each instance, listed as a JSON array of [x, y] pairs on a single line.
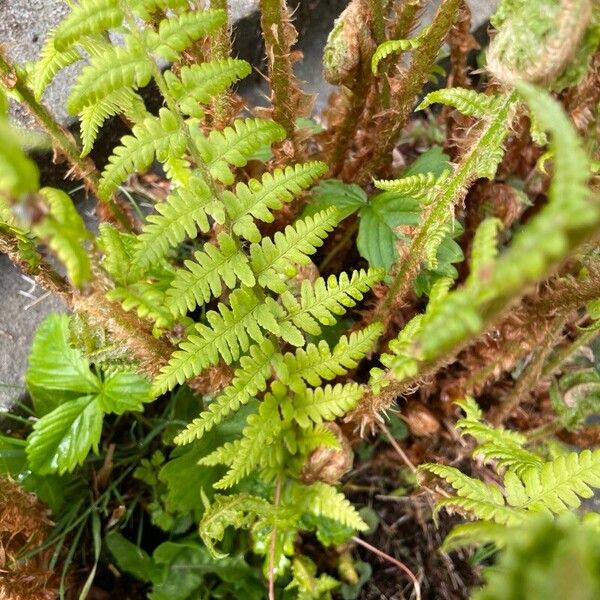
[[566, 353]]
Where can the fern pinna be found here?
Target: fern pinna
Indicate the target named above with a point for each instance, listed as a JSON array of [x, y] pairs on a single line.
[[239, 297], [530, 483]]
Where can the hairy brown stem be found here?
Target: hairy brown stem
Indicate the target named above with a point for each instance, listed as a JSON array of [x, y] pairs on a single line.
[[423, 59], [279, 35], [532, 374]]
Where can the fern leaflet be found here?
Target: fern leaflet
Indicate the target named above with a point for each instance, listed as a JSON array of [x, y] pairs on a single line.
[[178, 32], [154, 136], [201, 279], [250, 377], [235, 145], [184, 212], [276, 256], [257, 200], [326, 403]]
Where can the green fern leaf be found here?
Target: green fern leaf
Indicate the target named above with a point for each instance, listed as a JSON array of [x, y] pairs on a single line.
[[415, 186], [146, 8], [274, 257], [87, 18], [484, 250], [118, 250], [93, 116], [324, 500], [235, 145], [50, 62], [390, 47], [238, 510], [468, 102], [249, 379], [200, 84], [65, 233], [484, 501], [201, 279], [558, 485], [260, 431], [184, 212], [257, 200], [323, 301], [230, 332], [115, 69], [160, 137], [178, 32], [316, 363], [326, 403], [147, 299], [496, 443], [26, 243]]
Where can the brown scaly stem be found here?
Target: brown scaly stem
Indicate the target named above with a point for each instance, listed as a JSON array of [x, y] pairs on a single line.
[[123, 326], [221, 48], [356, 83], [279, 35], [423, 59], [532, 374], [369, 410], [407, 15], [62, 140], [43, 273]]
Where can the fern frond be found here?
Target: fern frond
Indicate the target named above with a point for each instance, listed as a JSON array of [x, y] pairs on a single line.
[[89, 17], [178, 32], [257, 199], [495, 443], [235, 145], [316, 363], [200, 84], [108, 72], [230, 332], [326, 403], [65, 232], [146, 299], [324, 500], [160, 137], [273, 257], [201, 279], [390, 47], [223, 455], [484, 249], [249, 378], [122, 101], [238, 510], [145, 8], [184, 212], [118, 250], [50, 62], [260, 431], [468, 102], [484, 501], [323, 301], [558, 485], [415, 186]]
